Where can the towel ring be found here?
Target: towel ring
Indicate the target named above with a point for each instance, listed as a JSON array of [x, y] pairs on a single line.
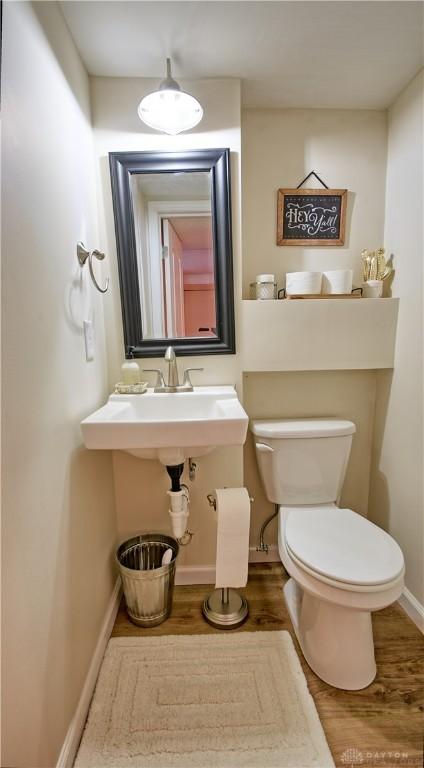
[[83, 254]]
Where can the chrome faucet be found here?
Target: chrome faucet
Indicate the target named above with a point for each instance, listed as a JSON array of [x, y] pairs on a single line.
[[171, 359], [173, 384]]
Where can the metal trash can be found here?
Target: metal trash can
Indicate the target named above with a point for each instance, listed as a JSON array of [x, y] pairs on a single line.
[[148, 585]]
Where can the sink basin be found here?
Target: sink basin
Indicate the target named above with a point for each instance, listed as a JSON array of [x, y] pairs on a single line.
[[170, 427]]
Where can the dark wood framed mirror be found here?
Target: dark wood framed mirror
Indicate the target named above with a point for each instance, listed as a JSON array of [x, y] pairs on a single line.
[[173, 233]]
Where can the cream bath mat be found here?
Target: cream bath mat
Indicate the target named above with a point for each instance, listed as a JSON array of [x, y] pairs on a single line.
[[203, 701]]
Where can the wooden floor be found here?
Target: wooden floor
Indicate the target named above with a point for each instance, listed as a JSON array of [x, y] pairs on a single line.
[[383, 722]]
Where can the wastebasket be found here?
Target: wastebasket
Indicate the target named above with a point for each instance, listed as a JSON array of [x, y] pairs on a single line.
[[148, 585]]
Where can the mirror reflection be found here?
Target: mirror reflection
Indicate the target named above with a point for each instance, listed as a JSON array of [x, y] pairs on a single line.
[[175, 254]]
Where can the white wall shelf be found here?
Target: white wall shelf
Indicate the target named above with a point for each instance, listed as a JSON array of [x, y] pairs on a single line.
[[311, 334]]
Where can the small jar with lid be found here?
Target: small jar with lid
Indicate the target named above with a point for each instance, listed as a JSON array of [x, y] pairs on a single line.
[[264, 287]]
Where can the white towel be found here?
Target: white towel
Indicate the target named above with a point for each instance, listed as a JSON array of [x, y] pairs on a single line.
[[232, 544]]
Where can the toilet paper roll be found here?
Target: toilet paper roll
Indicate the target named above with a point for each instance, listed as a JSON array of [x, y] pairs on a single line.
[[232, 542], [337, 281], [303, 282]]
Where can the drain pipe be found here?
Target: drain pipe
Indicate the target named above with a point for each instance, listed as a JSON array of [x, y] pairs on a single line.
[[179, 497], [262, 546], [179, 511]]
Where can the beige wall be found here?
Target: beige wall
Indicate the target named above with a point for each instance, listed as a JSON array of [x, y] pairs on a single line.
[[396, 500], [279, 148], [117, 128], [140, 484], [270, 139], [348, 149], [343, 394], [58, 511]]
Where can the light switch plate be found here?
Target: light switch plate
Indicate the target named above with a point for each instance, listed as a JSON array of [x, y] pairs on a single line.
[[89, 340]]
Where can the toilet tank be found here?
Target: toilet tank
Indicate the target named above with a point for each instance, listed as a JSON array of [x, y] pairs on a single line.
[[302, 461]]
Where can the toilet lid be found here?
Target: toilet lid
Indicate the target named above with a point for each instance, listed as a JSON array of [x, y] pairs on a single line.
[[343, 546], [292, 428]]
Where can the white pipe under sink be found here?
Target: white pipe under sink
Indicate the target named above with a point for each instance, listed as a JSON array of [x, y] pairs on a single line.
[[179, 510]]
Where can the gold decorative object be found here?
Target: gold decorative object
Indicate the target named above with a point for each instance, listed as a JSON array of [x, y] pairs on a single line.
[[374, 265]]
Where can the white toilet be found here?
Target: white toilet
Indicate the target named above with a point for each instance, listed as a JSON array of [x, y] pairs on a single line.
[[342, 566]]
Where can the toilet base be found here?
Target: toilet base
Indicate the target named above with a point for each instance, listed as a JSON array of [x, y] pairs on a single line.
[[336, 642]]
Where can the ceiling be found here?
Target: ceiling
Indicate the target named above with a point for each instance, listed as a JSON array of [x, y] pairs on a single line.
[[174, 185], [338, 54], [195, 233]]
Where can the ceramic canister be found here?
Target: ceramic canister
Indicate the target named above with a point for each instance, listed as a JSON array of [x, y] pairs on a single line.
[[372, 289], [264, 287]]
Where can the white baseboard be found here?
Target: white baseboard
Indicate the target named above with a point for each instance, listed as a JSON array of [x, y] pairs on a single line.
[[272, 556], [73, 737], [413, 608], [194, 574], [186, 575]]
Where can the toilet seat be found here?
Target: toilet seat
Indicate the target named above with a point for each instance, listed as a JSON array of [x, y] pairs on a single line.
[[341, 548]]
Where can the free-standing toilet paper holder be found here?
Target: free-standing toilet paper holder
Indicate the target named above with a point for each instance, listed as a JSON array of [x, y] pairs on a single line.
[[224, 608]]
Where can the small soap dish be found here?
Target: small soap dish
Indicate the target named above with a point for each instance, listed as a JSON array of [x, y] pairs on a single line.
[[130, 389]]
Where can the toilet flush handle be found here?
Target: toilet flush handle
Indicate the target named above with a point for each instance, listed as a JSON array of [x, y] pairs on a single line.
[[264, 448]]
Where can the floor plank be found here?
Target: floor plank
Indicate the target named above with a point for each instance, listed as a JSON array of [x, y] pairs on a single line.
[[384, 722]]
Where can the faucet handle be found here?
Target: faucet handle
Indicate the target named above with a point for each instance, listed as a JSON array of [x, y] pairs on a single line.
[[187, 381], [160, 382]]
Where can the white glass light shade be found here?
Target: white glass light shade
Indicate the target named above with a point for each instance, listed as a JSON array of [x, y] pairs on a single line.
[[170, 111]]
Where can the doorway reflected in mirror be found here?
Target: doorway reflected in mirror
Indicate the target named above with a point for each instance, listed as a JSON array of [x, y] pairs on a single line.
[[174, 243]]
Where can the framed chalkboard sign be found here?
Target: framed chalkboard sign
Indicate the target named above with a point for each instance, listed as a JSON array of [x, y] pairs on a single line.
[[311, 216]]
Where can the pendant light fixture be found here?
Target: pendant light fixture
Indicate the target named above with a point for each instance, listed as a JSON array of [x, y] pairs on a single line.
[[169, 109]]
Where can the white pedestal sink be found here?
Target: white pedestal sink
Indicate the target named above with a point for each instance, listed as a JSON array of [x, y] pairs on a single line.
[[170, 427]]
